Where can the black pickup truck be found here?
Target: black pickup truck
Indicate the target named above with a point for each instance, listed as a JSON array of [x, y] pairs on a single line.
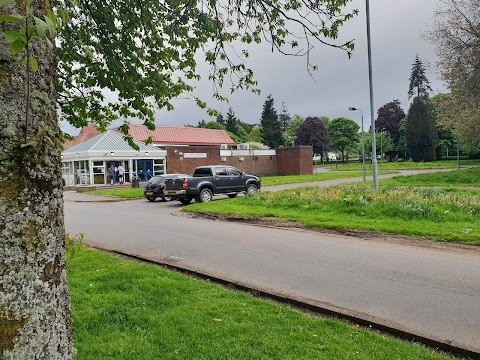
[[211, 180]]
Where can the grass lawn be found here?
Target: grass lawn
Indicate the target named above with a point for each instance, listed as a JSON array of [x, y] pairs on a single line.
[[441, 164], [126, 310], [449, 215], [122, 193], [464, 177], [323, 176]]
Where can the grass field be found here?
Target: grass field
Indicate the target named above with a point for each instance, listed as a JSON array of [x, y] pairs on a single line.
[[449, 215], [322, 176], [442, 164], [465, 177], [126, 310]]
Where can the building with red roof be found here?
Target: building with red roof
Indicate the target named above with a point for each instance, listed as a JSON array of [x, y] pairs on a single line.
[[163, 136]]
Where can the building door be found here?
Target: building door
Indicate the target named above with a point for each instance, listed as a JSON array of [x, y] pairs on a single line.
[[145, 169]]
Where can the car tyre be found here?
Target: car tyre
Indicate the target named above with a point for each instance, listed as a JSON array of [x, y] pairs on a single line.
[[186, 201], [151, 198], [205, 195], [251, 189]]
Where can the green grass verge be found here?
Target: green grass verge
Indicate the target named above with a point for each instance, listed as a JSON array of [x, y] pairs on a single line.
[[464, 177], [323, 176], [442, 164], [443, 215], [122, 193], [126, 310]]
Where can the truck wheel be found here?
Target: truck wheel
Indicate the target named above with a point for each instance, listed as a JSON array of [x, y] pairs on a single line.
[[205, 195], [186, 201], [251, 189], [231, 196]]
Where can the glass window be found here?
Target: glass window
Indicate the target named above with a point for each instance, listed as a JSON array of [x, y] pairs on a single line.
[[204, 171], [220, 171], [233, 172]]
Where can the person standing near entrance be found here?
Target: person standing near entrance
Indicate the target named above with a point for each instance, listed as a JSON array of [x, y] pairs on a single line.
[[111, 173], [121, 173]]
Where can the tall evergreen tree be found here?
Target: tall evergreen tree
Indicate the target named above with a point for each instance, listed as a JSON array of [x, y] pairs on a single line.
[[272, 132], [419, 84], [231, 121], [221, 120], [284, 118], [420, 132]]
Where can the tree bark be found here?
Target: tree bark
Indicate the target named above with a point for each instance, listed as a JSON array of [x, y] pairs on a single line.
[[35, 320]]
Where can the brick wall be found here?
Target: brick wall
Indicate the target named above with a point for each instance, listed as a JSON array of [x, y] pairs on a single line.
[[287, 161], [295, 160], [178, 163], [261, 165]]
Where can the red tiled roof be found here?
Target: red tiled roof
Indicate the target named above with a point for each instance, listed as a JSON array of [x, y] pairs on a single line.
[[170, 135], [163, 135]]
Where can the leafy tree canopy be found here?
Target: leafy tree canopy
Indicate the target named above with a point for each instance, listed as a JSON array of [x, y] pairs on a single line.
[[456, 37], [214, 125], [343, 134], [256, 134], [314, 133], [389, 117], [142, 53]]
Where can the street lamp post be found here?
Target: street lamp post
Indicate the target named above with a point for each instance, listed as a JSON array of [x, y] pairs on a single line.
[[372, 114], [364, 175]]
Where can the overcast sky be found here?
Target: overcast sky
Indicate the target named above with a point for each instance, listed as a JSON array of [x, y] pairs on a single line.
[[396, 29]]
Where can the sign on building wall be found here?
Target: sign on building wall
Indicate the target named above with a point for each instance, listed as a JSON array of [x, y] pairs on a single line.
[[194, 155]]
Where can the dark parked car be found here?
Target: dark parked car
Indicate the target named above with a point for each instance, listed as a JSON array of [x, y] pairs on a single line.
[[156, 185]]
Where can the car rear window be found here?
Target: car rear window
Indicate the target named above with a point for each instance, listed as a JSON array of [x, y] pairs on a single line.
[[202, 172], [156, 180]]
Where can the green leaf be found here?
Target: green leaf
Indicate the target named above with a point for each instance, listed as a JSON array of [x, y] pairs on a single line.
[[41, 27], [51, 20], [64, 15], [20, 61], [33, 64], [50, 24], [5, 2], [17, 46], [29, 2], [11, 36], [11, 19], [49, 43]]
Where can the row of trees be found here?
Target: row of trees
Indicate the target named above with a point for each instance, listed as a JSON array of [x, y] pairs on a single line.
[[422, 134]]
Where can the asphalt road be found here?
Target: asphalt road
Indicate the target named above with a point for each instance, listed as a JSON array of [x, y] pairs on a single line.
[[427, 289]]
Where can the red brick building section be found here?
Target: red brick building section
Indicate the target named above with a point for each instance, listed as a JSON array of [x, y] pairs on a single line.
[[295, 160], [287, 161]]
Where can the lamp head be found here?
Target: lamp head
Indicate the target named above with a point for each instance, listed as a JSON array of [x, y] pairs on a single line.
[[352, 108]]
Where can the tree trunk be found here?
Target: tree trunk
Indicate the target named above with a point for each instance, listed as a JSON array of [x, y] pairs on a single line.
[[35, 318]]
